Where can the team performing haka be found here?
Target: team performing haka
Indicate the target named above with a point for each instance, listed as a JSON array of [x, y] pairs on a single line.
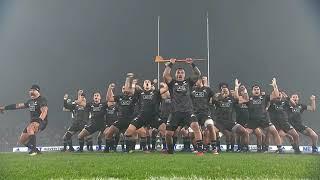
[[181, 107]]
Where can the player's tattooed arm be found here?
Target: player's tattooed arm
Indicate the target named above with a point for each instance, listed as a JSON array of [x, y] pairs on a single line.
[[236, 88], [135, 86], [153, 84], [67, 103], [130, 83], [275, 92], [205, 81], [20, 106], [245, 96], [284, 94], [167, 71], [12, 107], [312, 106], [163, 88], [44, 112], [81, 101], [110, 94], [195, 69]]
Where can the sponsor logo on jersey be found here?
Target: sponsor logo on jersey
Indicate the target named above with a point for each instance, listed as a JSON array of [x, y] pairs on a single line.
[[243, 106], [181, 88], [256, 101], [296, 109], [199, 94], [147, 96], [125, 102], [96, 108], [226, 104], [279, 107], [32, 106]]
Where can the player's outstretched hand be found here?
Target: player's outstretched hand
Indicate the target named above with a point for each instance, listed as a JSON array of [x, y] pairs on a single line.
[[1, 109]]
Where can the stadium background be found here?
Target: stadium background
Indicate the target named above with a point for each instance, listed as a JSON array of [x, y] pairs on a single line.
[[65, 45]]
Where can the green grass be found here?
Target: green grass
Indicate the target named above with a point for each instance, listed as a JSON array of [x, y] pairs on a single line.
[[158, 166]]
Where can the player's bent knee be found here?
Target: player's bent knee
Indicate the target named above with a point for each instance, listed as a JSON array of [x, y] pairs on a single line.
[[236, 128], [142, 133], [30, 131], [81, 135], [314, 135]]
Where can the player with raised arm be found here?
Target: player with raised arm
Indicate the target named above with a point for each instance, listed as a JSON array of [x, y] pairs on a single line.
[[38, 108], [180, 90]]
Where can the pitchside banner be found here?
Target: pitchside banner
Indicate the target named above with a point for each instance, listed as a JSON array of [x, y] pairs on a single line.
[[304, 149]]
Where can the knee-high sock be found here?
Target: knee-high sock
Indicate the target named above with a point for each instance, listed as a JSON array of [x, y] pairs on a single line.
[[128, 142], [164, 144], [148, 139], [175, 139], [116, 141], [144, 143], [108, 145], [100, 142], [81, 144], [32, 142]]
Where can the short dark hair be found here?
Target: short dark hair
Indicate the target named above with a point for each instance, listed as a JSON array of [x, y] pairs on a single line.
[[179, 68], [35, 87], [223, 85], [96, 92], [242, 85], [255, 85]]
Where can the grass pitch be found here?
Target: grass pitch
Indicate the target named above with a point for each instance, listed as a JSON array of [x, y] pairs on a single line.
[[158, 166]]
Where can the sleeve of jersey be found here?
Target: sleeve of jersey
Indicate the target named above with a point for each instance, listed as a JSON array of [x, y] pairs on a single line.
[[267, 97], [103, 111], [192, 81], [67, 105], [304, 107], [214, 101], [236, 101], [138, 91], [26, 104], [135, 97], [170, 85], [43, 102], [287, 102], [210, 93], [88, 107], [116, 98]]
